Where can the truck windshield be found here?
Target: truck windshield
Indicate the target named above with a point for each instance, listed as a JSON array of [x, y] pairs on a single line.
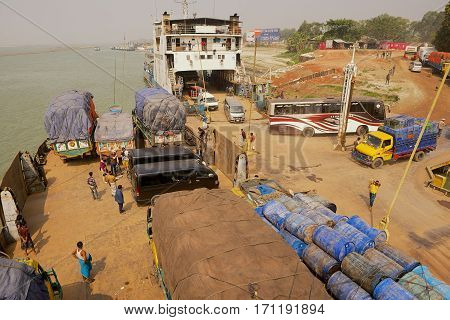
[[211, 100], [373, 141]]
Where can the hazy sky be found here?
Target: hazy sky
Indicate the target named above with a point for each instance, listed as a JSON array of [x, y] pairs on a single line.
[[106, 21]]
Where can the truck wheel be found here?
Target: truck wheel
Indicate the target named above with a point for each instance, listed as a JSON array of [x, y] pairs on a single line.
[[362, 130], [377, 163], [308, 132], [419, 156]]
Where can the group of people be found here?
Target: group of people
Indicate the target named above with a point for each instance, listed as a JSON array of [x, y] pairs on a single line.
[[111, 176], [384, 55], [247, 143]]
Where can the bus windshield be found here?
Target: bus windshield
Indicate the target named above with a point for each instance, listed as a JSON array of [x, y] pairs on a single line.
[[373, 141]]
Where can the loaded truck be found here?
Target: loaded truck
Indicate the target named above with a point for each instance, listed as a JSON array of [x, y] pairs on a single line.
[[396, 140], [160, 117], [70, 123], [439, 61]]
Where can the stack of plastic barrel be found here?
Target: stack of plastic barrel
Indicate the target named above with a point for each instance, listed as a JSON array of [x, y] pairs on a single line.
[[348, 255]]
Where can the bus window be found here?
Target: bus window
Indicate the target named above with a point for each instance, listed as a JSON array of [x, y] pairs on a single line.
[[298, 109], [283, 109], [375, 109], [331, 108], [356, 107], [316, 108]]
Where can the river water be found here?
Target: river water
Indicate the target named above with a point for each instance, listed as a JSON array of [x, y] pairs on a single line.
[[30, 79]]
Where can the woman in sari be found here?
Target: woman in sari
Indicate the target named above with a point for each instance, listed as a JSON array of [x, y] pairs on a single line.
[[85, 260]]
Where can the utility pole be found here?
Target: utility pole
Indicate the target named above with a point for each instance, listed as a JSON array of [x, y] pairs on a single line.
[[346, 100], [252, 85]]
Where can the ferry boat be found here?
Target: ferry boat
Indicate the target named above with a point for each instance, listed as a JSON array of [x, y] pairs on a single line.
[[184, 48]]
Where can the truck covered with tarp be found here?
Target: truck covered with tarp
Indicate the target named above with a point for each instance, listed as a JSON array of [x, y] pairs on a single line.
[[70, 123], [24, 279], [114, 131], [160, 117], [210, 244]]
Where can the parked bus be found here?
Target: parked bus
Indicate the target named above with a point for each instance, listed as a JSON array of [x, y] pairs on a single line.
[[315, 116]]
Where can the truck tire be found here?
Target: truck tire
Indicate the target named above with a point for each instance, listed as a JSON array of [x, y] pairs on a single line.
[[377, 163], [308, 132], [362, 130], [419, 156]]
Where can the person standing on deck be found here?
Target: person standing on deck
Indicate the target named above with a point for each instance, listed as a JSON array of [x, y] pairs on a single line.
[[119, 199], [25, 238], [373, 190], [93, 186], [111, 181], [85, 260], [243, 138], [252, 141], [125, 158], [102, 166]]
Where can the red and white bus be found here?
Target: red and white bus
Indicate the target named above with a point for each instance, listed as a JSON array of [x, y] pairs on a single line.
[[316, 116]]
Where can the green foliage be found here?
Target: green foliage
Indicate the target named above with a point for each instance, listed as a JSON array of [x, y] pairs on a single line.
[[286, 33], [442, 39], [311, 30], [345, 29], [425, 30], [386, 27]]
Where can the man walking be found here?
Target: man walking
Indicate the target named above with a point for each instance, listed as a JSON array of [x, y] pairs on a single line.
[[93, 186], [374, 185], [119, 199], [25, 238], [388, 78], [111, 181], [243, 138]]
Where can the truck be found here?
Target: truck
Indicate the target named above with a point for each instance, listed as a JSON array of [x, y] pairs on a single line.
[[439, 61], [396, 140], [424, 52], [70, 123], [160, 117]]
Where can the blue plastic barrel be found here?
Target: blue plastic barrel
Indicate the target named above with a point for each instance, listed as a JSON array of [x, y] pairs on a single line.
[[362, 271], [388, 266], [320, 262], [419, 287], [407, 262], [332, 242], [438, 285], [296, 244], [361, 241], [275, 212], [343, 288], [336, 218], [300, 226], [376, 235], [388, 289], [315, 216]]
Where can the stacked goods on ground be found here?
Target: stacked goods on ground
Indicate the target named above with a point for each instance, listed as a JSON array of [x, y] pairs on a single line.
[[114, 131], [351, 257], [209, 244], [70, 123], [396, 140], [160, 117]]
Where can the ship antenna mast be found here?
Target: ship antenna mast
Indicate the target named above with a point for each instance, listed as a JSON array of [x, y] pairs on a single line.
[[185, 4]]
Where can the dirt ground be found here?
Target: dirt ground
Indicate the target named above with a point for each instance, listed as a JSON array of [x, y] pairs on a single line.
[[122, 262]]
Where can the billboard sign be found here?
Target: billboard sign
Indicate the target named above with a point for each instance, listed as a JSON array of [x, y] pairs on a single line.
[[268, 35]]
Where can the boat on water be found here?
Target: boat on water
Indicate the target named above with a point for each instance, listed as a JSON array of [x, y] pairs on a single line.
[[96, 49], [186, 48]]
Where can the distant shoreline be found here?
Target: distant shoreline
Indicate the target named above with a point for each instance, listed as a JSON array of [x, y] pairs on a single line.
[[23, 51]]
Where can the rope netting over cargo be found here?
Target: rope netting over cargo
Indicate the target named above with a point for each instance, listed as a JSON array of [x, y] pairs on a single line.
[[70, 116], [212, 245], [159, 110]]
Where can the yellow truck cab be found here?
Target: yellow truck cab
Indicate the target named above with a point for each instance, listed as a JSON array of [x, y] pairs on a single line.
[[396, 140], [376, 149]]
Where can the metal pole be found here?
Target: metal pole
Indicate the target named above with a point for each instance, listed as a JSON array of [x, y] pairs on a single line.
[[253, 84], [384, 223], [115, 76]]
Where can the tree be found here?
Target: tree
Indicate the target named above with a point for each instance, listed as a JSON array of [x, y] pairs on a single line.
[[425, 30], [296, 42], [442, 39], [311, 30], [286, 33], [345, 29], [386, 27]]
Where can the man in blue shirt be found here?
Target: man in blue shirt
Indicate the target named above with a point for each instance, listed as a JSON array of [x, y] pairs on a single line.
[[119, 198]]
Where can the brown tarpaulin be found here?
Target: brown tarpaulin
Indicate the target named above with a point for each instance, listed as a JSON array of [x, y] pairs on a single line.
[[212, 245]]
